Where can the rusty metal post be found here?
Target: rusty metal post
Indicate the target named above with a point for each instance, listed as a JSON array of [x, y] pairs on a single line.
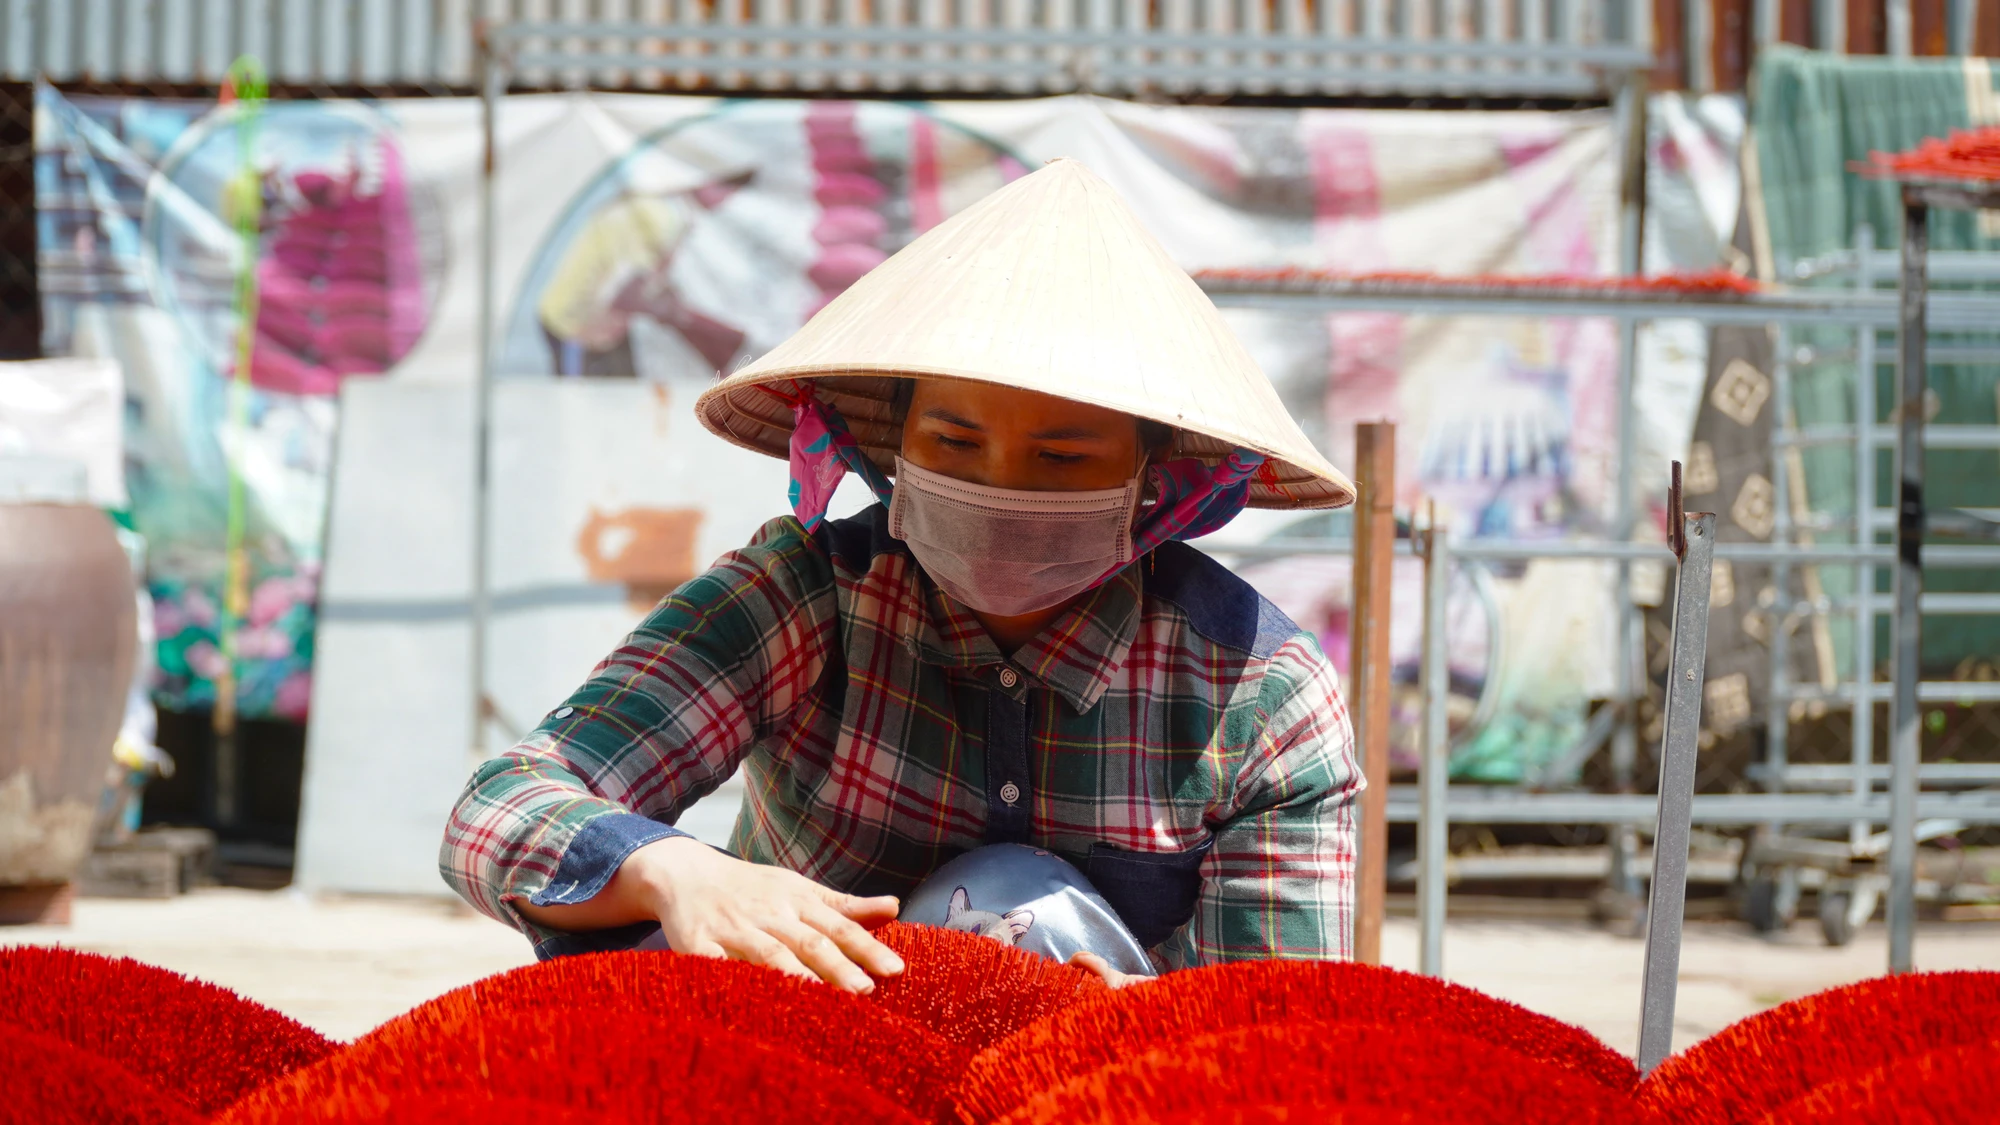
[[1368, 690], [1692, 537]]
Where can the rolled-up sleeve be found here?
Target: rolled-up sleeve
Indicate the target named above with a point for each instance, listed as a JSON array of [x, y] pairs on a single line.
[[660, 723], [1280, 878]]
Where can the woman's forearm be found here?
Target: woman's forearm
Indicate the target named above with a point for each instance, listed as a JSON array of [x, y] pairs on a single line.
[[629, 897]]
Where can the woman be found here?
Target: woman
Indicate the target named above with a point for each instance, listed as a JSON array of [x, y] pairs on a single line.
[[1012, 648]]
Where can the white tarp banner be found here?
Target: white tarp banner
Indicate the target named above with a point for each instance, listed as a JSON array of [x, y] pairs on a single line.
[[69, 410], [654, 240]]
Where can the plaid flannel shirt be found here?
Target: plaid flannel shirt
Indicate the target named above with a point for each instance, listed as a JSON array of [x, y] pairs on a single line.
[[1170, 717]]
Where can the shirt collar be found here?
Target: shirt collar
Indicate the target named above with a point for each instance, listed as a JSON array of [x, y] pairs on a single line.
[[1076, 655], [947, 633]]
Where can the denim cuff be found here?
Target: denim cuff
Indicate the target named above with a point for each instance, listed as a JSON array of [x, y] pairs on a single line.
[[594, 855], [559, 944]]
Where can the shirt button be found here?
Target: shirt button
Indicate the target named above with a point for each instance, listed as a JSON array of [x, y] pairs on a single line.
[[1010, 792], [565, 712], [1008, 678]]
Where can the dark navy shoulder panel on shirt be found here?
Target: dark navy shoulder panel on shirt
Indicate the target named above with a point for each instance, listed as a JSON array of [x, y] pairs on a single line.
[[854, 542], [1223, 608]]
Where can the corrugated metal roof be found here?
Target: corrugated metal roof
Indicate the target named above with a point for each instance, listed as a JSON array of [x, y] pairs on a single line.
[[1492, 47], [358, 42]]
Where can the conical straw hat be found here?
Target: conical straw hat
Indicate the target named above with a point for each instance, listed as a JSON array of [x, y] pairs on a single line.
[[1050, 284]]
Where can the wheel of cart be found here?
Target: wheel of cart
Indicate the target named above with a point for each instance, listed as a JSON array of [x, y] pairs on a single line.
[[1769, 900], [1845, 905], [1775, 871], [1836, 923], [1777, 867]]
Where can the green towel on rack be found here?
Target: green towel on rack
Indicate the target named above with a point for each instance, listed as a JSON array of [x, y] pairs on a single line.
[[1812, 116]]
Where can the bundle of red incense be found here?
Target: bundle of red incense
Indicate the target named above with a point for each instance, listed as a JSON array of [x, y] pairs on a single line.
[[1157, 1016], [974, 1033], [620, 1063], [661, 1036], [1693, 283], [199, 1045], [55, 1082], [450, 1107], [1759, 1065], [900, 1059], [1315, 1071], [1945, 1086], [1972, 155], [1084, 1053], [975, 991]]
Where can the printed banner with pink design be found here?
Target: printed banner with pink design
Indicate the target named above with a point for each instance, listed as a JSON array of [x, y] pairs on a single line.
[[665, 239]]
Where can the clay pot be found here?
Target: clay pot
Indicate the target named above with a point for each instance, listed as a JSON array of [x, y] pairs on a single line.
[[67, 633]]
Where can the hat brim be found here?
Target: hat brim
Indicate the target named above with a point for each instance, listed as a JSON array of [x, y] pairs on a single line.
[[741, 413]]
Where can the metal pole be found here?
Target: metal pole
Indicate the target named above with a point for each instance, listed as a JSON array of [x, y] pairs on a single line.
[[492, 85], [1433, 768], [1700, 46], [1961, 27], [1640, 17], [1374, 559], [1676, 803], [1777, 705], [1863, 750], [1830, 26], [1764, 22], [1905, 722], [1626, 672], [1896, 15]]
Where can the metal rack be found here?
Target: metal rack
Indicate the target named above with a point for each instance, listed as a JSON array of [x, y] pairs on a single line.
[[1865, 310], [1919, 196], [1849, 892]]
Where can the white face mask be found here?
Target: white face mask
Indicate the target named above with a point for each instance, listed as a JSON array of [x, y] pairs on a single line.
[[1009, 552]]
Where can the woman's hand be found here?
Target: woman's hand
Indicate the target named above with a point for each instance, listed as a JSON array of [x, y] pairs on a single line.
[[1084, 959], [712, 904]]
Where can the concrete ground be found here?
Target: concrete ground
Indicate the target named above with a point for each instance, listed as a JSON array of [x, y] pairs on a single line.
[[344, 965]]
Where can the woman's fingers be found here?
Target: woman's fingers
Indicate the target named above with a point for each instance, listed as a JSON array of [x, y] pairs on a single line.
[[1084, 959], [854, 940], [867, 911], [717, 905], [826, 959], [760, 948]]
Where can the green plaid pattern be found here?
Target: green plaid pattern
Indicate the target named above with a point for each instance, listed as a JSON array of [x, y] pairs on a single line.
[[1169, 710]]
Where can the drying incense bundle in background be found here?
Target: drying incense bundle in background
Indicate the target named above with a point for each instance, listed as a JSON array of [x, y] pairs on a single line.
[[1970, 155]]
